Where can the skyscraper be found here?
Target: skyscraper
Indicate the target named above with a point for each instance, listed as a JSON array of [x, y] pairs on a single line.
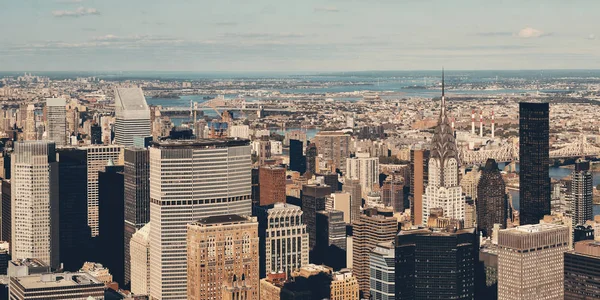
[[443, 189], [29, 128], [297, 159], [191, 180], [582, 281], [111, 220], [373, 228], [492, 204], [223, 258], [382, 268], [137, 197], [334, 146], [35, 202], [330, 248], [311, 158], [74, 231], [97, 159], [132, 115], [433, 264], [352, 187], [139, 261], [365, 169], [283, 239], [530, 261], [582, 197], [57, 121], [392, 192], [313, 200], [534, 160], [272, 185], [7, 213], [419, 160]]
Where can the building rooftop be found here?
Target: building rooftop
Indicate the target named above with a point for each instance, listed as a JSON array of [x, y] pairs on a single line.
[[56, 102], [200, 143], [224, 219], [130, 99], [29, 262], [49, 281], [533, 228]]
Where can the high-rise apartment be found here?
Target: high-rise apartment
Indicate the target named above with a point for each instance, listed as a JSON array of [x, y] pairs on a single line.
[[443, 189], [35, 202], [392, 192], [436, 264], [530, 261], [365, 169], [419, 160], [139, 261], [582, 193], [57, 121], [382, 268], [334, 146], [132, 115], [272, 185], [222, 258], [97, 159], [352, 187], [534, 160], [372, 228], [191, 179], [313, 200], [137, 197], [582, 271], [492, 204], [283, 239]]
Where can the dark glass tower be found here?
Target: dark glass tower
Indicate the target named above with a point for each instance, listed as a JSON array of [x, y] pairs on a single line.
[[313, 200], [137, 198], [436, 265], [6, 213], [297, 159], [311, 155], [491, 199], [109, 243], [330, 248], [582, 193], [74, 230], [534, 159]]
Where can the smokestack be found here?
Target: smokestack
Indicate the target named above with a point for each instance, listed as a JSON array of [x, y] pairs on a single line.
[[452, 123], [493, 125], [473, 122], [480, 123]]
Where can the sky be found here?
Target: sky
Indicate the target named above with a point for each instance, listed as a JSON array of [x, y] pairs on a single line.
[[298, 35]]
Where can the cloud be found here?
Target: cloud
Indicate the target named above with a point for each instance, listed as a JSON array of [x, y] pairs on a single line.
[[265, 35], [494, 33], [327, 9], [226, 23], [529, 32], [79, 12]]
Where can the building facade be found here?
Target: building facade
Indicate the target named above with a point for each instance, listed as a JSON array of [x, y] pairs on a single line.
[[492, 203], [419, 165], [223, 258], [531, 260], [35, 202], [534, 161], [365, 169], [582, 193], [334, 147], [74, 286], [272, 185], [582, 271], [132, 115], [57, 121], [330, 248], [313, 200], [191, 180], [382, 269], [139, 261], [352, 187]]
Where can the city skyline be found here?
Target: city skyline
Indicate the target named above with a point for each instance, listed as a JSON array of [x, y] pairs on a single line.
[[312, 36]]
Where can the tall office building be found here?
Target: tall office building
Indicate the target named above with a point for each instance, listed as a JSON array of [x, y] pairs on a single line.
[[433, 264], [352, 187], [97, 159], [313, 200], [57, 121], [582, 193], [6, 213], [311, 158], [272, 185], [111, 220], [365, 169], [492, 203], [35, 202], [96, 134], [74, 230], [534, 160], [443, 189], [582, 267], [139, 261], [419, 165], [223, 258], [137, 197], [392, 192], [329, 178], [283, 239], [530, 261], [73, 286], [330, 248], [334, 146], [132, 115], [382, 268], [29, 130], [191, 180], [372, 228], [297, 159]]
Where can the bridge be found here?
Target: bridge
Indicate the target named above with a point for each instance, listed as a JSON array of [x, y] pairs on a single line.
[[220, 104], [510, 152]]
